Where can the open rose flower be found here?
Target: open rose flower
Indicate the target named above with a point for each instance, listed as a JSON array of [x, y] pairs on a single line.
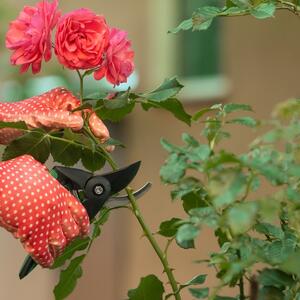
[[81, 39], [118, 65], [29, 36]]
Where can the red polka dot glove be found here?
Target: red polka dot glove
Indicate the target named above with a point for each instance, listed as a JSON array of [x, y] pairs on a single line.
[[50, 110], [38, 210]]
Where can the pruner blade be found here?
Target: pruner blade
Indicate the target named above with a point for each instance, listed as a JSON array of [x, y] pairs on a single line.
[[97, 190], [117, 201]]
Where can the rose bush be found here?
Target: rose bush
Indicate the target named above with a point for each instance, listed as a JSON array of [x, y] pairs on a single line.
[[213, 184]]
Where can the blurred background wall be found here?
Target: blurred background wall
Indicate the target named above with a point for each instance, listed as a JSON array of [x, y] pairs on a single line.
[[238, 60]]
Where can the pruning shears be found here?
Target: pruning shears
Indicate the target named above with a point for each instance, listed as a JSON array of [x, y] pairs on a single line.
[[94, 192]]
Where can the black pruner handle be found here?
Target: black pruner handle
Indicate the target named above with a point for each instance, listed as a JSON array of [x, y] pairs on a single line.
[[28, 265]]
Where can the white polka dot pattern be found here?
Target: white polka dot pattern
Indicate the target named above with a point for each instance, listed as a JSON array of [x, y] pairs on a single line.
[[38, 210], [50, 110]]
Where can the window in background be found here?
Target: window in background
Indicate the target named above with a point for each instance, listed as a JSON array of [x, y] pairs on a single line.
[[200, 58]]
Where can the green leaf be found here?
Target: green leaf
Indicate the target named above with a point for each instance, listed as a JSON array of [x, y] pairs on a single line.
[[185, 186], [287, 109], [171, 105], [199, 293], [201, 24], [204, 111], [199, 279], [241, 217], [119, 101], [65, 151], [96, 96], [14, 125], [270, 230], [92, 160], [292, 264], [190, 140], [113, 142], [232, 107], [199, 153], [203, 17], [100, 221], [234, 11], [186, 244], [170, 147], [266, 167], [184, 25], [115, 109], [212, 130], [206, 215], [277, 252], [168, 89], [263, 10], [84, 106], [230, 194], [225, 298], [275, 278], [169, 228], [150, 288], [229, 3], [193, 200], [35, 143], [68, 279], [76, 245], [221, 158], [187, 232], [246, 121], [173, 169], [241, 3]]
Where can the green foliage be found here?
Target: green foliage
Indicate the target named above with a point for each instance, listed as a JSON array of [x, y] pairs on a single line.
[[68, 278], [35, 143], [218, 186], [150, 288], [76, 245], [70, 275], [199, 293], [65, 146], [203, 17], [116, 107], [169, 228]]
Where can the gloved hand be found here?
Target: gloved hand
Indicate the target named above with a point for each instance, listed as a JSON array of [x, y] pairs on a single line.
[[50, 110], [38, 210]]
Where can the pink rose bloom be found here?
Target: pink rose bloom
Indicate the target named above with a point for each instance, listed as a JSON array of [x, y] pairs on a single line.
[[118, 65], [29, 36], [81, 39]]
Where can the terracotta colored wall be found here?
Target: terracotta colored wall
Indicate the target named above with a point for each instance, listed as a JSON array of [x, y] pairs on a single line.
[[261, 59]]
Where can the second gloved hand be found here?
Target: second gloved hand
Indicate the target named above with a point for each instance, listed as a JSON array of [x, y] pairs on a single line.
[[51, 110], [38, 210]]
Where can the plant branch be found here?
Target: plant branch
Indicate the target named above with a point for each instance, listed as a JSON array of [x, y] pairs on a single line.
[[154, 244], [242, 289], [284, 5], [135, 208], [136, 211], [81, 78], [106, 213], [169, 242]]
